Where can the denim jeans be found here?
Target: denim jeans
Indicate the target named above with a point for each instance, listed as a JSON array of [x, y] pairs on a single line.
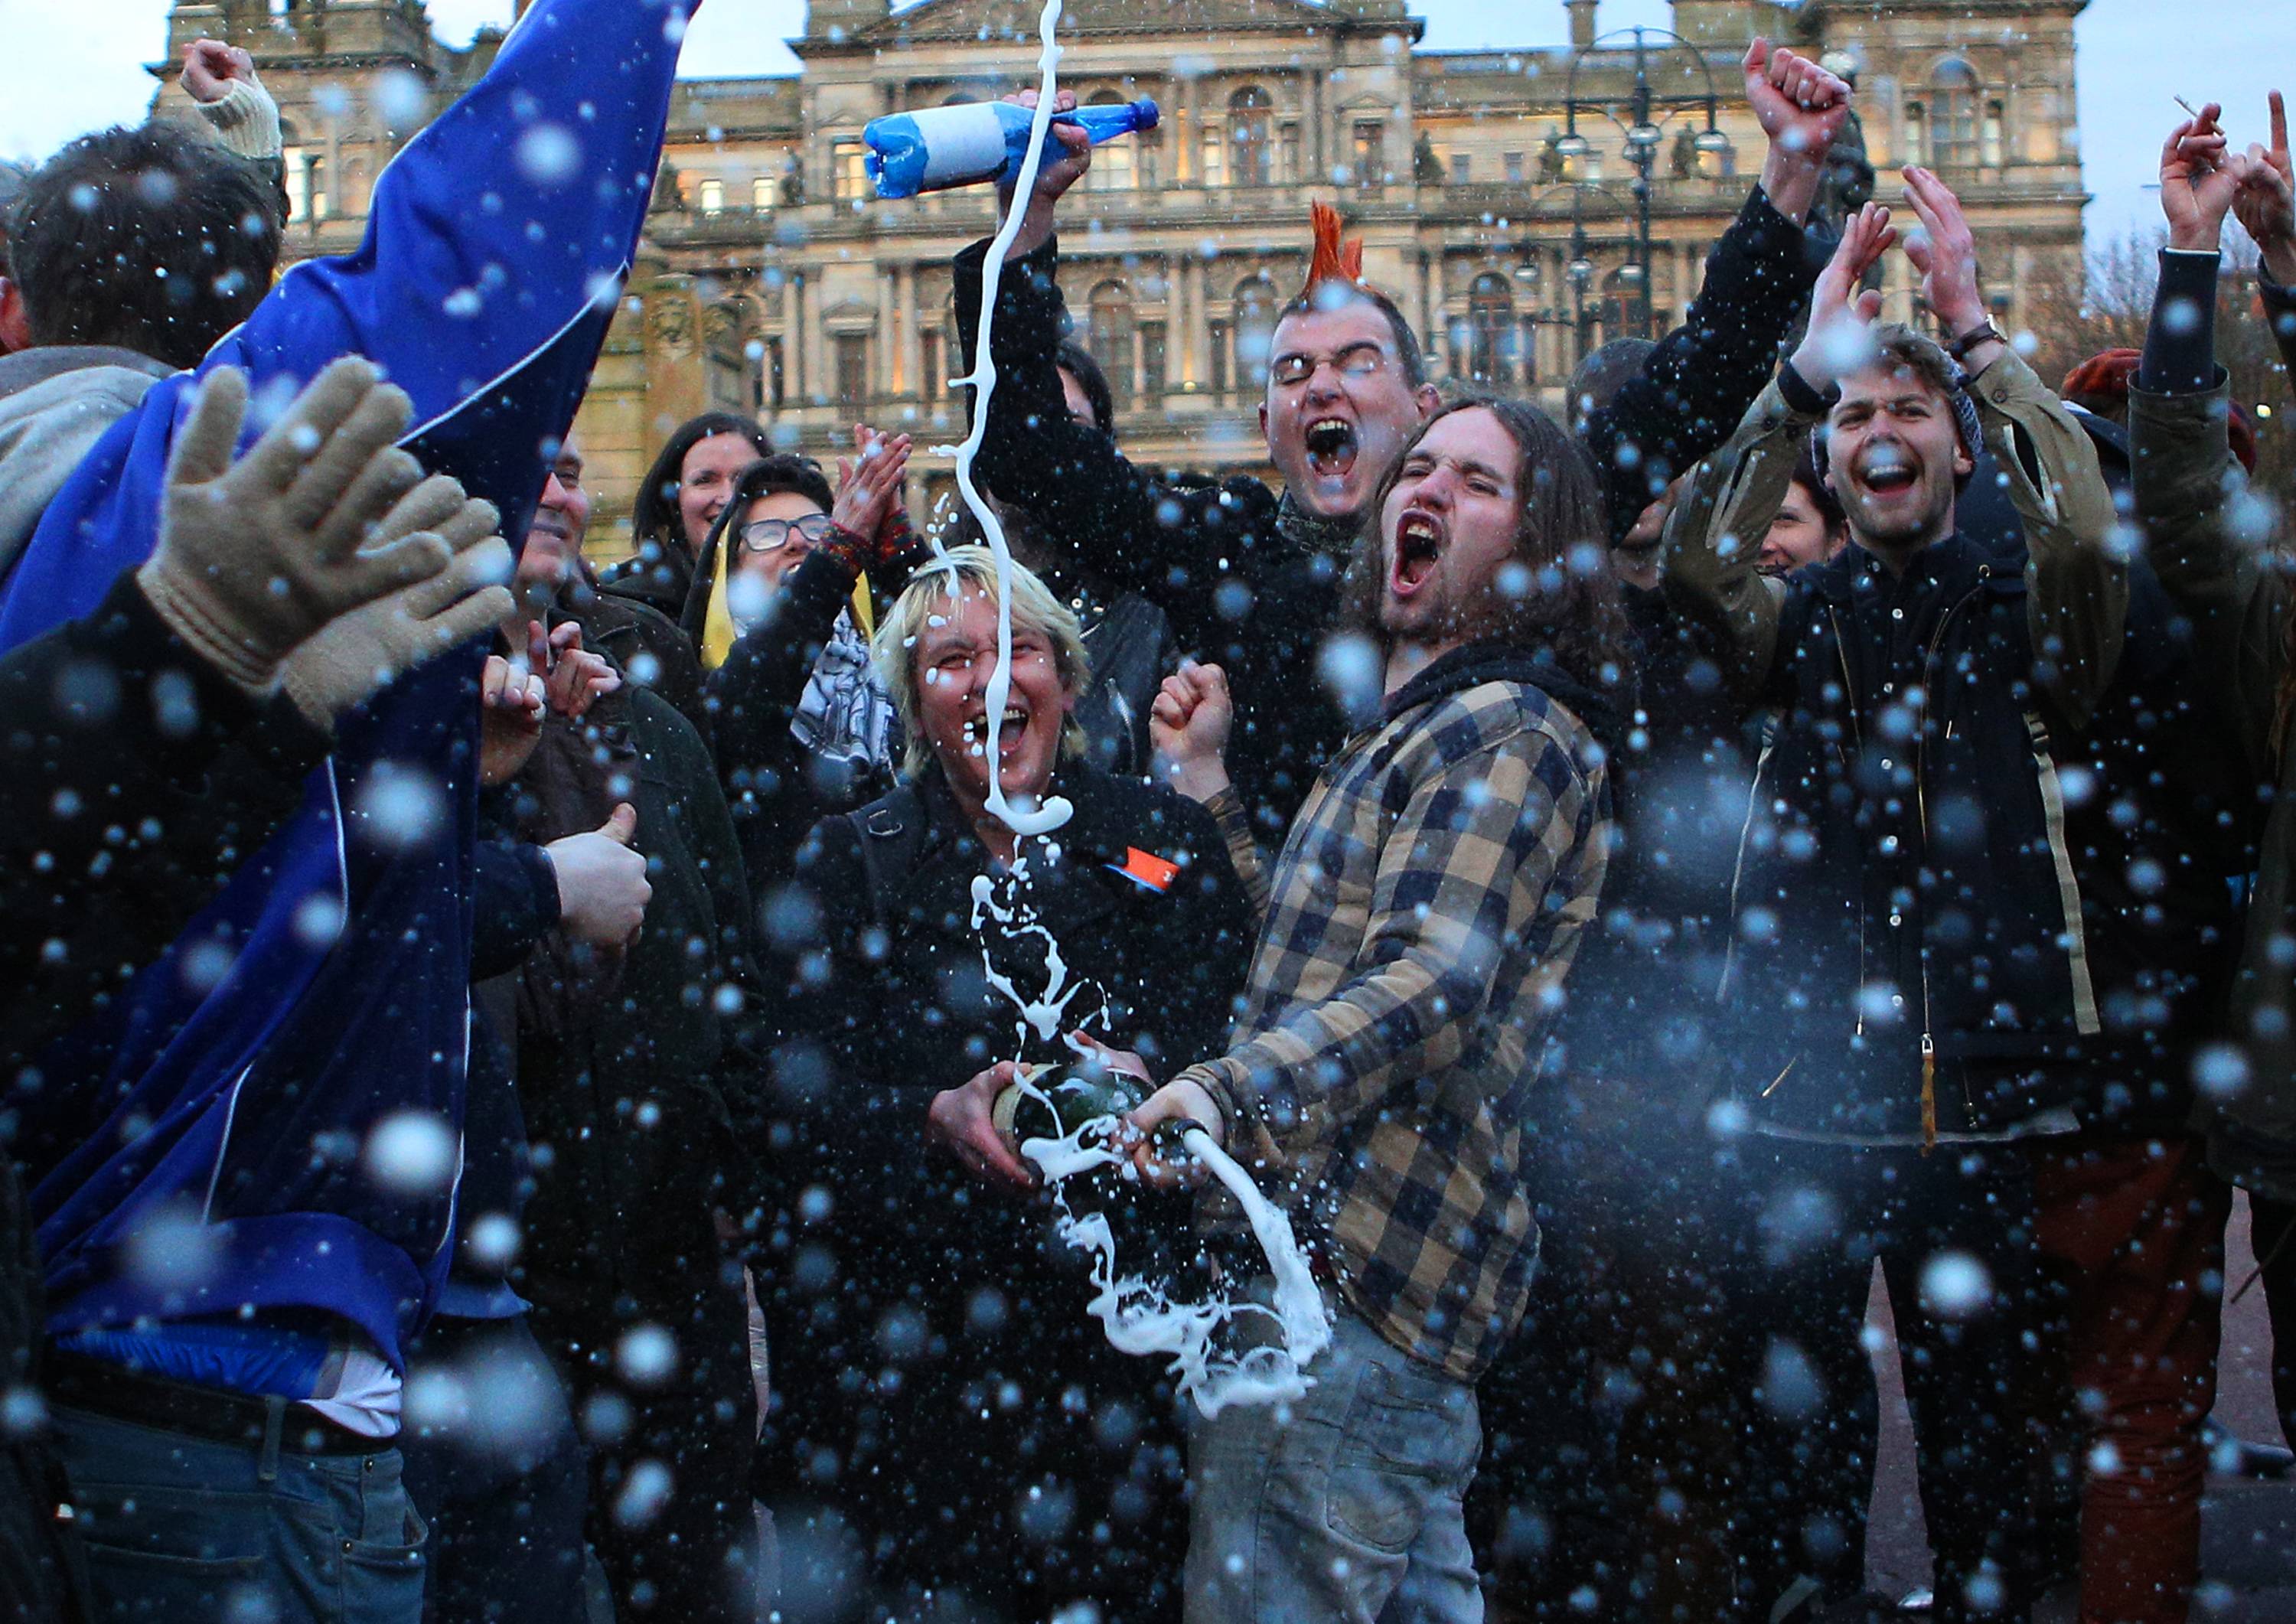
[[179, 1528], [1348, 1503]]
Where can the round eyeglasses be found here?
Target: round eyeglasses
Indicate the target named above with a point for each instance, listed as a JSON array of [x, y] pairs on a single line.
[[772, 535]]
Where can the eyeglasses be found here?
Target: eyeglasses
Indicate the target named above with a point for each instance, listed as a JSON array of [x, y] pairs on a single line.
[[1357, 361], [772, 535]]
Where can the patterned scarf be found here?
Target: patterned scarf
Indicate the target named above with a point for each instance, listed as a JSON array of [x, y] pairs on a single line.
[[845, 713]]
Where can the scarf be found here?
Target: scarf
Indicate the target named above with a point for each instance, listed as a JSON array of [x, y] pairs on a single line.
[[1334, 538], [845, 713]]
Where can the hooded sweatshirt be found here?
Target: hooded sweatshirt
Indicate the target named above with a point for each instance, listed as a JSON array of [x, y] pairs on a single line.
[[55, 403]]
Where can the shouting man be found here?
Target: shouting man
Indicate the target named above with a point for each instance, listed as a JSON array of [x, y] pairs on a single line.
[[1249, 579], [1425, 911]]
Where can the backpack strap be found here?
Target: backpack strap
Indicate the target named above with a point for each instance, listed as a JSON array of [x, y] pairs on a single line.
[[892, 833]]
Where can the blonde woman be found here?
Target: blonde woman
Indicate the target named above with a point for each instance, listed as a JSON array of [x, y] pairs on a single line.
[[939, 1388]]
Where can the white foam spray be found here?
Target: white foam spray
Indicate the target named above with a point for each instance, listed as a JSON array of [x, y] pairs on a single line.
[[1054, 811], [1139, 1315]]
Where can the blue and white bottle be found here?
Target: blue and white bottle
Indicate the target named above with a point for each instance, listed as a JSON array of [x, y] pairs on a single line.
[[938, 147]]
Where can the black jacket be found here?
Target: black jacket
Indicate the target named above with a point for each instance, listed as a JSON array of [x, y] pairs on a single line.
[[1256, 596], [882, 1007], [777, 787], [1978, 879]]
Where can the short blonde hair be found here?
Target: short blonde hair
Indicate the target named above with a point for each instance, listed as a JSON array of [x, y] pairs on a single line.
[[1034, 609]]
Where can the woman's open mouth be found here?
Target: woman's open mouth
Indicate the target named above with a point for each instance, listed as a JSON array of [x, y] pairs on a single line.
[[1009, 733]]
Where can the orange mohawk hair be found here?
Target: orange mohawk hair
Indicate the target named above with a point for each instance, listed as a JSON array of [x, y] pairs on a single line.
[[1331, 259]]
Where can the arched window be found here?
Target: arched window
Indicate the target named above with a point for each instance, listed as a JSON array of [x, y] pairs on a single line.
[[1107, 334], [1252, 158], [1953, 115], [1112, 165], [1256, 305], [1491, 323], [1626, 303]]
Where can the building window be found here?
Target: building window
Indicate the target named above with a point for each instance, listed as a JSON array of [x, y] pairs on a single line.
[[1214, 144], [852, 351], [1256, 305], [713, 197], [761, 193], [1148, 157], [1515, 174], [1112, 165], [1953, 115], [1220, 351], [1988, 137], [776, 384], [1626, 303], [1108, 335], [849, 170], [1292, 173], [1490, 322], [929, 365], [1152, 359], [307, 184], [1370, 156], [1462, 168], [1248, 112]]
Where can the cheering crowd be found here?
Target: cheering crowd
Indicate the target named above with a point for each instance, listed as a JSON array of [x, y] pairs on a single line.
[[507, 1063]]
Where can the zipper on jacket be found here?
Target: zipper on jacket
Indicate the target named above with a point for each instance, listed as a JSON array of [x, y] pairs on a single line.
[[1858, 737], [1922, 817]]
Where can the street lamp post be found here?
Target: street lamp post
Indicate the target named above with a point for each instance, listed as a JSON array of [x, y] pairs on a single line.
[[1643, 135]]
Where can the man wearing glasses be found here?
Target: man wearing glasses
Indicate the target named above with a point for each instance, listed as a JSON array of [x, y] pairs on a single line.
[[1250, 576]]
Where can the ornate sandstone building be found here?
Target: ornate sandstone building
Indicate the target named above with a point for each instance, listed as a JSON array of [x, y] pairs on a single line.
[[1500, 194]]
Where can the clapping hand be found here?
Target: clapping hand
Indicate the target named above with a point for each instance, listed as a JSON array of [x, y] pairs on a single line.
[[1842, 313], [510, 706], [869, 490]]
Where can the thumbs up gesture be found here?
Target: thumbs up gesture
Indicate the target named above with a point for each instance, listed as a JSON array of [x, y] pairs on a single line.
[[602, 885]]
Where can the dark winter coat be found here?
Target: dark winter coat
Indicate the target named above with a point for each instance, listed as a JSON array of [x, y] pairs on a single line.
[[1256, 594], [2214, 547], [777, 786], [635, 1095], [1911, 951], [893, 1257]]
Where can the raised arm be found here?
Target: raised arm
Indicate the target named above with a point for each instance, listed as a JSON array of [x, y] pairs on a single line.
[[1704, 374], [2204, 532], [2077, 587], [1141, 532], [2266, 203], [1714, 536]]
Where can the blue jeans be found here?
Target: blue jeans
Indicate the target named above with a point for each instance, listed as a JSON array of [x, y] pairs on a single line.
[[1348, 1503], [179, 1528]]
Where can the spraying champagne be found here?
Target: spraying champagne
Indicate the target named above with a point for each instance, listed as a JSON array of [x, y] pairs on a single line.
[[938, 147]]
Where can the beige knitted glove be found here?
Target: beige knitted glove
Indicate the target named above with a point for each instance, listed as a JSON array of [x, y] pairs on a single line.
[[363, 653], [254, 556]]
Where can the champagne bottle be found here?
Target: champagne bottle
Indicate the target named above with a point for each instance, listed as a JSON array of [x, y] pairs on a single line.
[[1071, 1096], [938, 147]]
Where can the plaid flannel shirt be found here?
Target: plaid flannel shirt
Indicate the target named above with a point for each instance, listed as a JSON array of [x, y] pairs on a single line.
[[1422, 915]]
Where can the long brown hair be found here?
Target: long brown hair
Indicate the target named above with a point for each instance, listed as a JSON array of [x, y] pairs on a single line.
[[1572, 610]]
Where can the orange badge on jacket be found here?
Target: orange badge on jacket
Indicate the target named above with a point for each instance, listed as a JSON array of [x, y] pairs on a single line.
[[1147, 868]]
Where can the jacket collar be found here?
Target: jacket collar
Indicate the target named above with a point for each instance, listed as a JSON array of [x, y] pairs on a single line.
[[1955, 563], [29, 367]]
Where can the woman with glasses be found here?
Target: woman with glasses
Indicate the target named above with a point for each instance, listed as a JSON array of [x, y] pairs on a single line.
[[801, 727]]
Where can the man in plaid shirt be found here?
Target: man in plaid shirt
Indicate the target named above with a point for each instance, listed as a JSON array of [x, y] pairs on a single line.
[[1423, 916]]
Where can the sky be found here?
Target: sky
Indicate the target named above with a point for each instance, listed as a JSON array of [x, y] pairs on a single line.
[[2135, 56]]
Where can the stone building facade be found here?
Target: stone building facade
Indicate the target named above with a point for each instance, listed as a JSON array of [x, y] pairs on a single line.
[[772, 282]]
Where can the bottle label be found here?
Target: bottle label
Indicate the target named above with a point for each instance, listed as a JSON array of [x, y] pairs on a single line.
[[964, 143]]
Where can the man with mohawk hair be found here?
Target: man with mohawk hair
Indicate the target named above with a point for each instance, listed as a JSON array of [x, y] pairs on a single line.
[[1250, 578]]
